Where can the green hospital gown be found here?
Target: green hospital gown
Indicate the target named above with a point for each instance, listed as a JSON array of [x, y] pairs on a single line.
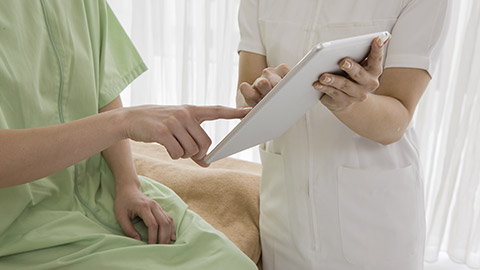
[[62, 60]]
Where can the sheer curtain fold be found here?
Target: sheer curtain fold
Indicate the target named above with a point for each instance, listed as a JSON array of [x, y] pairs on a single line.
[[190, 48], [448, 122]]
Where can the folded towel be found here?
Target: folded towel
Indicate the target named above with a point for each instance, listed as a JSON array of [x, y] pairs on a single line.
[[226, 194]]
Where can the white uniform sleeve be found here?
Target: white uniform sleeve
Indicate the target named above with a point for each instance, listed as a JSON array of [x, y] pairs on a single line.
[[418, 35], [250, 37]]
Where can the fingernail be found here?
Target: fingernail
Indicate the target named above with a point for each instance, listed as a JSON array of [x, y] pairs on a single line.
[[387, 40], [317, 85], [326, 79], [379, 42], [346, 64]]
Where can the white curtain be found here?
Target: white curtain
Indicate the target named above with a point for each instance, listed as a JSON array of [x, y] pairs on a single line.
[[448, 123], [190, 48]]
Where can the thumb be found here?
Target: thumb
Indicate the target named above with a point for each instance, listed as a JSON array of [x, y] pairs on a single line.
[[375, 57], [207, 113], [201, 162], [127, 226]]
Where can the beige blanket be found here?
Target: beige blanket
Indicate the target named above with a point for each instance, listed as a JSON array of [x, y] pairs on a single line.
[[226, 194]]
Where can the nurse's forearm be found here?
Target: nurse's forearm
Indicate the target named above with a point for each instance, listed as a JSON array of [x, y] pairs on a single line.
[[119, 156], [30, 154], [382, 119], [384, 116]]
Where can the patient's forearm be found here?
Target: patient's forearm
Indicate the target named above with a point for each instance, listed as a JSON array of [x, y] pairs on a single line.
[[30, 154]]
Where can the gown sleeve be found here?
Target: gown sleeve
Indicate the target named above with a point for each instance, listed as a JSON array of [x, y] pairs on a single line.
[[250, 36], [119, 61], [418, 35]]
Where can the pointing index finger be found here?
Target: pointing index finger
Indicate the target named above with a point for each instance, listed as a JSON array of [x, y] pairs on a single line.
[[207, 113]]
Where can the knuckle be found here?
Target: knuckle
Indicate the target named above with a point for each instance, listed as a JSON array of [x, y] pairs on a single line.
[[152, 203], [327, 90], [162, 222], [324, 101], [204, 143], [358, 73], [188, 107], [376, 71], [195, 149], [334, 94], [375, 83], [182, 113], [172, 121], [151, 223], [263, 83], [379, 72], [208, 141], [217, 109], [244, 84], [168, 221], [284, 67], [144, 205], [244, 88], [162, 130], [267, 71], [192, 151], [178, 154]]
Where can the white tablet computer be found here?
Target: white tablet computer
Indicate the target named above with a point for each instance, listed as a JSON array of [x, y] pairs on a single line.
[[293, 96]]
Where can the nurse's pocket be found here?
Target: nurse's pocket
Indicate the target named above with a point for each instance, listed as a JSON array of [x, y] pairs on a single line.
[[285, 228], [273, 194], [380, 214]]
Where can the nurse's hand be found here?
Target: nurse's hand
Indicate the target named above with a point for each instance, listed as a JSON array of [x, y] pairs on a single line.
[[130, 203], [363, 79], [177, 127], [253, 93]]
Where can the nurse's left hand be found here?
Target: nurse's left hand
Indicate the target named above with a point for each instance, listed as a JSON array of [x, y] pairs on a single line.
[[130, 203], [363, 78]]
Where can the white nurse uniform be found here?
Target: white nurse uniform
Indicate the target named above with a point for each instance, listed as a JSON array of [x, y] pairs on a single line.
[[331, 199]]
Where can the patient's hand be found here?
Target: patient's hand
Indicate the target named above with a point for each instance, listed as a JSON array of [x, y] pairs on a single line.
[[261, 86], [177, 127], [130, 203]]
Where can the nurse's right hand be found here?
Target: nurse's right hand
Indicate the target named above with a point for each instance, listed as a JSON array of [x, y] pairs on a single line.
[[177, 127], [253, 93]]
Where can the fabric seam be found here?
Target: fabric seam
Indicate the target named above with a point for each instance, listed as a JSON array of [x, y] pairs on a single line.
[[59, 62]]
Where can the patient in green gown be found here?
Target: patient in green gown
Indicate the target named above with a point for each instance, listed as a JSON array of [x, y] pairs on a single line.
[[69, 194]]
